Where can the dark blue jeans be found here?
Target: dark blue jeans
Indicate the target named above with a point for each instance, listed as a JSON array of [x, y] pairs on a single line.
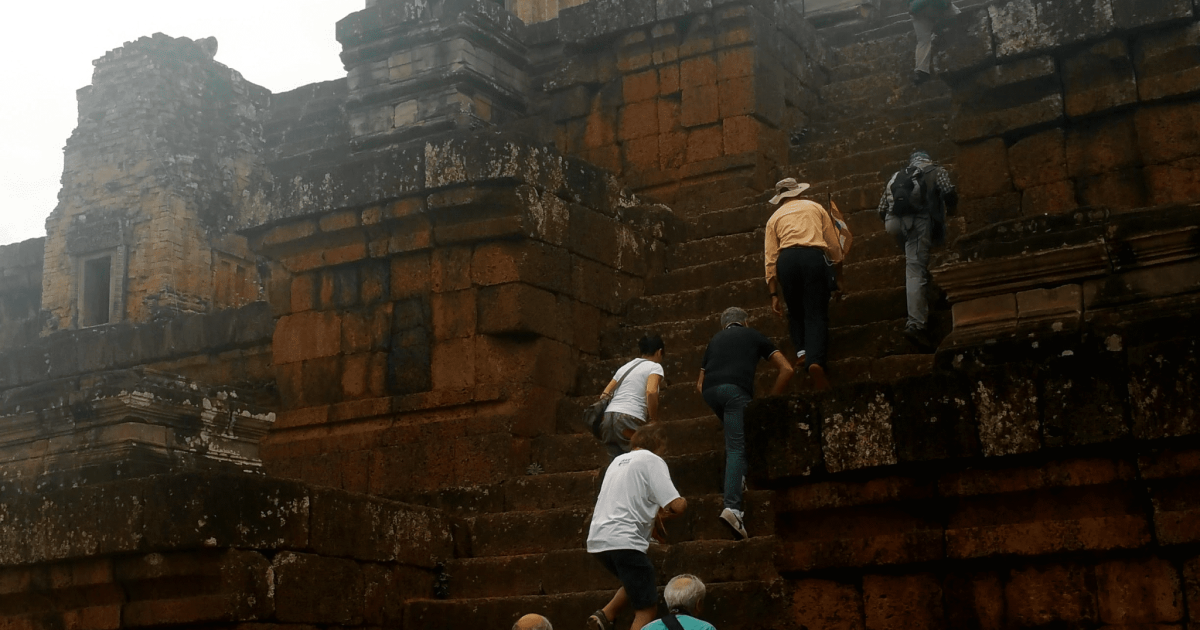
[[804, 282], [729, 403]]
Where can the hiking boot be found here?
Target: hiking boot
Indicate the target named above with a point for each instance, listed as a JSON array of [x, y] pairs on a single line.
[[730, 518], [920, 76], [817, 374]]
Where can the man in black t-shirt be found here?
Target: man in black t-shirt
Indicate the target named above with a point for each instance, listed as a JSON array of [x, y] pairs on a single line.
[[727, 384]]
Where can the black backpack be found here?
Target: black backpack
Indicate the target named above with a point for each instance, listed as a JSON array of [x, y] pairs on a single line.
[[910, 193]]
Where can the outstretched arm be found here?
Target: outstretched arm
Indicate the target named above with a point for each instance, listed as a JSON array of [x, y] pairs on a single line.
[[785, 374]]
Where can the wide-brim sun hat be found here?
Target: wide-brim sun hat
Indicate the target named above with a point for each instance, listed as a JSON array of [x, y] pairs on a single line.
[[788, 188]]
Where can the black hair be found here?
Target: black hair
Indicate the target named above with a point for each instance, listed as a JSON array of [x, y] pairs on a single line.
[[650, 344]]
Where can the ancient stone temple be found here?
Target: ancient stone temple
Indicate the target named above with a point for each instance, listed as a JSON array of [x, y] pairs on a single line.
[[317, 359]]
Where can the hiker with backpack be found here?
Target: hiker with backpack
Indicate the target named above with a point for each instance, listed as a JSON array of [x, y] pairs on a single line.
[[926, 16], [630, 401], [913, 210], [803, 257]]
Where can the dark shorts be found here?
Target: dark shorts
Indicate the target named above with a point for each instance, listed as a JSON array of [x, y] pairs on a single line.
[[636, 573]]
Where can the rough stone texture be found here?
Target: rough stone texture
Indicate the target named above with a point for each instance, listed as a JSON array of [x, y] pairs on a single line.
[[453, 262], [1164, 63], [20, 292], [1006, 404], [857, 430], [1008, 97], [1099, 79], [1022, 27], [184, 205], [827, 605], [903, 601]]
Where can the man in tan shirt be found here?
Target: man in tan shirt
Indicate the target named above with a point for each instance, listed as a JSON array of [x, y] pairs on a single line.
[[801, 251]]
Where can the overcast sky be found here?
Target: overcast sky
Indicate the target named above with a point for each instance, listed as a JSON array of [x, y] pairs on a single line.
[[48, 47]]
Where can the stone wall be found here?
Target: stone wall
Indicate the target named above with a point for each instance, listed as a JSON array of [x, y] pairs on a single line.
[[1051, 486], [1043, 474], [691, 104], [218, 551], [1067, 105], [20, 292], [434, 327]]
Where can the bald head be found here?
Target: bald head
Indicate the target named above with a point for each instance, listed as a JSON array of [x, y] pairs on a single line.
[[533, 622]]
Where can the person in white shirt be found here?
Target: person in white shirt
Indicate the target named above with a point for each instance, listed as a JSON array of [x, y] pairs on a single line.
[[636, 495], [635, 403]]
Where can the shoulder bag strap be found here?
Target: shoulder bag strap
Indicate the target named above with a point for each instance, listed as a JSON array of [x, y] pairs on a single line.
[[671, 622], [622, 379]]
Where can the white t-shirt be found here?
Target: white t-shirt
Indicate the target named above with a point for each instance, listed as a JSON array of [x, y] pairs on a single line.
[[630, 397], [636, 485]]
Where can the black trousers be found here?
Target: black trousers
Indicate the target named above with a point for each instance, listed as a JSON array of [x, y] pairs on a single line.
[[804, 282]]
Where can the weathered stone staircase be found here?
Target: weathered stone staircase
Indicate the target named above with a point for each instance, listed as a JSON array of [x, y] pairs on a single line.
[[526, 552]]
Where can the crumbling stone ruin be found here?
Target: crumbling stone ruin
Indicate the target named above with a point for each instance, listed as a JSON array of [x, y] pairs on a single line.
[[316, 359]]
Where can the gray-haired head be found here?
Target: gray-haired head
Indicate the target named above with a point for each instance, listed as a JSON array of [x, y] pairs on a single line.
[[684, 593], [733, 315], [532, 622], [919, 157]]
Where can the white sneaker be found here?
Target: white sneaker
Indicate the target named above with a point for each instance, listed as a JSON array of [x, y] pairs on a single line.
[[734, 521]]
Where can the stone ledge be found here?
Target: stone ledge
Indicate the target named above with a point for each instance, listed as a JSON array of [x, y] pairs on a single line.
[[195, 511], [119, 346], [973, 412]]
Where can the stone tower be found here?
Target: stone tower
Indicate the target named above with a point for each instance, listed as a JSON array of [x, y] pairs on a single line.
[[167, 146]]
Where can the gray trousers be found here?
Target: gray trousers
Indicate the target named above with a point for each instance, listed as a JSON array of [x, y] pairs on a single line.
[[913, 233], [924, 26]]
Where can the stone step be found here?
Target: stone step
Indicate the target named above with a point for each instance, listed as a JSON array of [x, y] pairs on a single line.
[[697, 303], [881, 86], [575, 570], [898, 61], [875, 166], [736, 220], [887, 369], [867, 50], [544, 531], [726, 606], [874, 247], [864, 222], [858, 140], [620, 341], [871, 275], [868, 307], [719, 271], [571, 453], [715, 248], [895, 26], [870, 341]]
